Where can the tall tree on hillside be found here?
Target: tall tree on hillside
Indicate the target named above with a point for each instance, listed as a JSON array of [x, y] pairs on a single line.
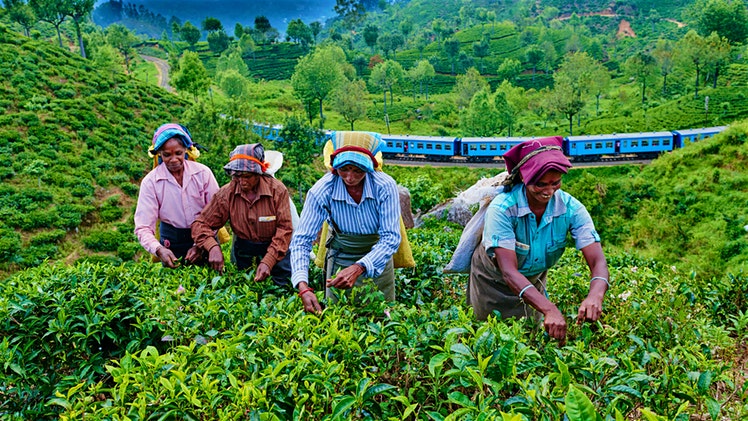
[[509, 70], [316, 28], [350, 100], [452, 50], [218, 41], [51, 11], [663, 53], [232, 61], [299, 32], [190, 34], [386, 75], [390, 42], [262, 24], [211, 24], [21, 13], [572, 83], [351, 11], [371, 34], [482, 49], [534, 56], [727, 18], [482, 118], [692, 50], [317, 75], [420, 75], [122, 39], [718, 51], [406, 27], [641, 67], [79, 10], [439, 26], [466, 86], [238, 30], [516, 104], [192, 76]]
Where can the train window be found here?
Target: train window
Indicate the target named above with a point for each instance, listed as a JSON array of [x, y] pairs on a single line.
[[447, 147], [655, 142], [483, 147], [598, 145], [429, 146], [706, 137], [438, 147], [398, 145], [666, 142], [608, 145], [389, 144], [503, 147], [645, 143], [492, 147], [420, 146], [473, 148], [634, 143], [587, 146]]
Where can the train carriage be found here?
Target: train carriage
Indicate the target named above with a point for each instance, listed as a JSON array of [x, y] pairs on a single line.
[[437, 148], [597, 147], [684, 137], [485, 149], [647, 144], [590, 147]]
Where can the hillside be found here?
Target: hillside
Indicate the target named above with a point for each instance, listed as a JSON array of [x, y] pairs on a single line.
[[73, 146]]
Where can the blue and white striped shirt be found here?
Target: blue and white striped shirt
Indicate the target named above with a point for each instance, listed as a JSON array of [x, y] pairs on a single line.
[[378, 213]]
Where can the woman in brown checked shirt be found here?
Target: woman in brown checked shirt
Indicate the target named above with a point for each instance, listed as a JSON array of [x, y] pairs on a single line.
[[257, 207]]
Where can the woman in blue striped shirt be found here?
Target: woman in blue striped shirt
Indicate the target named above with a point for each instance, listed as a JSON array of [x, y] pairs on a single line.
[[362, 208]]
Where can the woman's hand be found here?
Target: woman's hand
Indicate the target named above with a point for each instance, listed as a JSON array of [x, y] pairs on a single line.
[[167, 257], [311, 305], [346, 278], [215, 258], [591, 308], [263, 271], [555, 325], [193, 255]]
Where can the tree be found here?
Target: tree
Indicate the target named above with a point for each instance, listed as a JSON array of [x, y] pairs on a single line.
[[572, 82], [406, 27], [481, 118], [663, 53], [299, 32], [190, 34], [482, 49], [439, 26], [426, 73], [51, 11], [642, 67], [191, 76], [467, 85], [691, 50], [316, 28], [359, 62], [386, 75], [514, 104], [534, 56], [350, 100], [107, 59], [371, 33], [351, 11], [452, 50], [233, 84], [21, 13], [211, 24], [238, 31], [718, 51], [729, 19], [262, 24], [119, 37], [218, 41], [247, 44], [390, 42], [509, 70], [232, 61], [317, 75]]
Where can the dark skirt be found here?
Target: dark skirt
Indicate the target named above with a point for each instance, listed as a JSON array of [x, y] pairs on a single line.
[[246, 254], [178, 240]]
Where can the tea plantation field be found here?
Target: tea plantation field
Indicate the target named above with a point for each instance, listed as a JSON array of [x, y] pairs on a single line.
[[136, 341]]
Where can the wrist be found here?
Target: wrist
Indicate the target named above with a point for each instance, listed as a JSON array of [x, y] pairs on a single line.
[[362, 268]]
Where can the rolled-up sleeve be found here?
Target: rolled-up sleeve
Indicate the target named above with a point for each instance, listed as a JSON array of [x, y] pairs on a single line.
[[582, 228]]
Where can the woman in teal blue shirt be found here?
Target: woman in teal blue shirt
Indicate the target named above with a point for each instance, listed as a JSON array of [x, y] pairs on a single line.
[[525, 235]]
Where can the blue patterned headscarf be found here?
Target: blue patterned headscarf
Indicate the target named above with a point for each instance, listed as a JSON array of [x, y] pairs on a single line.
[[168, 131], [357, 148]]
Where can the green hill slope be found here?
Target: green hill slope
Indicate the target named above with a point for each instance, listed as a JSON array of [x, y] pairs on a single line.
[[72, 150]]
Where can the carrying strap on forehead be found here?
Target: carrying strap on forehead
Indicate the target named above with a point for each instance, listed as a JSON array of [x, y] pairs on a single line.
[[513, 177], [263, 165]]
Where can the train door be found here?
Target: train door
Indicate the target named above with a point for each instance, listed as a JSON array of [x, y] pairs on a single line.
[[618, 147]]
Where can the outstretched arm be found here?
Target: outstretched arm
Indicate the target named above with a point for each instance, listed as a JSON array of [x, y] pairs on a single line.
[[592, 306]]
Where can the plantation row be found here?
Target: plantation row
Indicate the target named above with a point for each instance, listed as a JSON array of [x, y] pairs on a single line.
[[142, 342]]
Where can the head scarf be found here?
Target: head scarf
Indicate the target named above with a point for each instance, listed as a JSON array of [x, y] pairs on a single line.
[[169, 131], [247, 158], [356, 148], [533, 158]]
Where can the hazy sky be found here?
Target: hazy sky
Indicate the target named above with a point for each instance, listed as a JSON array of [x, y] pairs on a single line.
[[229, 12]]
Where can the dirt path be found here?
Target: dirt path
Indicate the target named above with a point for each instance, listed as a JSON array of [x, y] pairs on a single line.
[[163, 71]]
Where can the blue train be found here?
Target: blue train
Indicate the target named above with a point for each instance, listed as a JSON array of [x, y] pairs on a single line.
[[645, 145]]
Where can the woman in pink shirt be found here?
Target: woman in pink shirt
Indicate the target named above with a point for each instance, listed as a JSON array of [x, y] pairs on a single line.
[[174, 193]]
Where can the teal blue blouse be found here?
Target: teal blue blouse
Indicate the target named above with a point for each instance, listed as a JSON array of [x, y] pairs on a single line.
[[511, 225]]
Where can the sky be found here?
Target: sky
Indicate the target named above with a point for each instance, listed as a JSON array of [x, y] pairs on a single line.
[[229, 12]]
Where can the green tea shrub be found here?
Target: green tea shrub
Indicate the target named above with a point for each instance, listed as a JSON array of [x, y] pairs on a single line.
[[70, 215], [48, 237], [10, 244], [130, 189], [104, 240], [127, 251]]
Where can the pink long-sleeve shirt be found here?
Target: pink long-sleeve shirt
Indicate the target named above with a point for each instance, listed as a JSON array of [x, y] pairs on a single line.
[[162, 198]]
